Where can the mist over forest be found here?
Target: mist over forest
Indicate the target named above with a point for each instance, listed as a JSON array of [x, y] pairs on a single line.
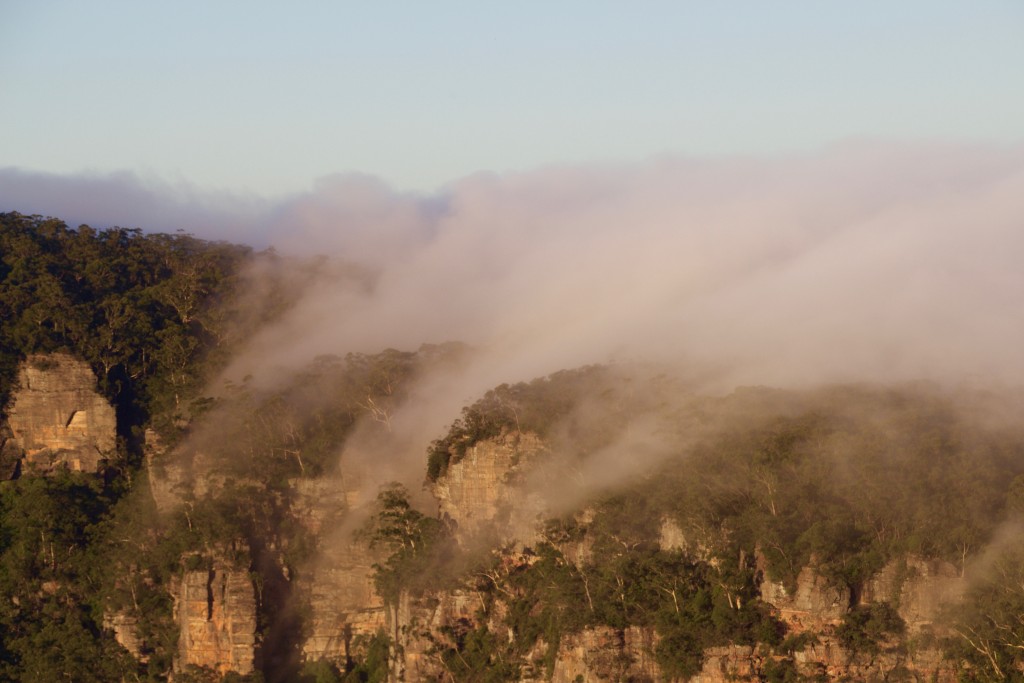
[[791, 364]]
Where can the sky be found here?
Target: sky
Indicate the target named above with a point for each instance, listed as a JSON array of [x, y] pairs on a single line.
[[785, 193], [262, 100]]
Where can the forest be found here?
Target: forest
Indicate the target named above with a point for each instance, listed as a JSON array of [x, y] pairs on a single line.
[[760, 483]]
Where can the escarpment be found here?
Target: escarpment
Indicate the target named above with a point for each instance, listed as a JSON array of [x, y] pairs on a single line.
[[483, 491], [216, 617], [712, 561], [57, 418], [652, 579]]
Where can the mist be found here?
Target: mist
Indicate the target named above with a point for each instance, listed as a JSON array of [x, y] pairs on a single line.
[[868, 262]]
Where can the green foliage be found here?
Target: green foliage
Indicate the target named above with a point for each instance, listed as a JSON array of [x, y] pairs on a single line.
[[866, 628], [797, 642], [146, 311], [628, 581], [419, 548], [50, 617], [780, 670], [988, 639], [846, 478], [538, 407], [321, 671], [549, 598], [475, 654], [372, 665], [297, 428]]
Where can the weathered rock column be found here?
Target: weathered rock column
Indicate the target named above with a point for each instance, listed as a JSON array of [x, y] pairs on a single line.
[[216, 614]]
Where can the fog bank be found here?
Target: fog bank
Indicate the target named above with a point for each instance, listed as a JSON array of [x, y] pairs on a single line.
[[868, 262]]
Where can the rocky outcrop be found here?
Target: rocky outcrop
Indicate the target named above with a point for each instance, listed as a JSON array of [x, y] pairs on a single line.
[[919, 588], [828, 660], [216, 614], [167, 479], [824, 660], [343, 603], [421, 627], [338, 589], [670, 535], [483, 493], [124, 627], [814, 603], [479, 492], [57, 418], [607, 654], [729, 663]]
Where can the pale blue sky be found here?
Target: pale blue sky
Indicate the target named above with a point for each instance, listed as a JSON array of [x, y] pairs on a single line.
[[266, 97]]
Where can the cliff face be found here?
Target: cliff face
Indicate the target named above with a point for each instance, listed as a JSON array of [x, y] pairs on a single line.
[[825, 660], [216, 615], [483, 493], [57, 418], [919, 588], [608, 654], [343, 609], [815, 603], [479, 492]]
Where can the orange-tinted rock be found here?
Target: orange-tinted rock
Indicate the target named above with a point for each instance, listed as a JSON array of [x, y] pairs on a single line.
[[216, 614], [57, 418]]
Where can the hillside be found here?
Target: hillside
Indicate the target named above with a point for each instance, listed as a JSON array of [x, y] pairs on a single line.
[[606, 522]]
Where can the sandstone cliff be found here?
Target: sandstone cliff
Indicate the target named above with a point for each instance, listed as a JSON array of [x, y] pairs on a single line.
[[216, 615], [815, 603], [920, 589], [606, 653], [481, 493], [57, 418]]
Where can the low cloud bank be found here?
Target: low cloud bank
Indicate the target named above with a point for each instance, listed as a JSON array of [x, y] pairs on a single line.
[[868, 261]]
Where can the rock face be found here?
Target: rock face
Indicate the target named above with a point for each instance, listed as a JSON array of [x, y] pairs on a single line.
[[418, 626], [125, 633], [607, 654], [919, 589], [344, 609], [670, 535], [478, 492], [344, 605], [57, 418], [216, 615], [824, 660], [482, 493], [729, 663], [815, 602]]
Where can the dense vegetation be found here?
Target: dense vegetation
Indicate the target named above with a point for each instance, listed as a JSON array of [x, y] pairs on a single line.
[[151, 314], [846, 480], [148, 312], [155, 316], [543, 406], [759, 485]]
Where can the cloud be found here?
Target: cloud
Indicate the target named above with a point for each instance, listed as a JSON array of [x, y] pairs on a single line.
[[128, 200], [868, 261]]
